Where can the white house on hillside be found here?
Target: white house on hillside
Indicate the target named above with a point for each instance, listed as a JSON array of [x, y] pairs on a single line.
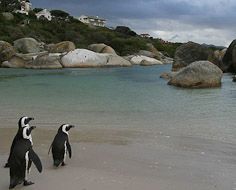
[[44, 14], [93, 20], [26, 6], [145, 35]]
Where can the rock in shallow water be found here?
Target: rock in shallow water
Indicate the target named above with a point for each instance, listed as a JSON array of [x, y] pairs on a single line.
[[167, 76], [199, 74], [48, 61]]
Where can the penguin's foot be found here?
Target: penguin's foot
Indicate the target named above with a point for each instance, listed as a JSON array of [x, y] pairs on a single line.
[[7, 165], [12, 186], [27, 183], [63, 164]]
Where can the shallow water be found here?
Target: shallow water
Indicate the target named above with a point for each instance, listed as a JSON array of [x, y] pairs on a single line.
[[121, 98]]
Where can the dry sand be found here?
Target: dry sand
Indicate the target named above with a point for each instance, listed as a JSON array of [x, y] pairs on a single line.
[[111, 159]]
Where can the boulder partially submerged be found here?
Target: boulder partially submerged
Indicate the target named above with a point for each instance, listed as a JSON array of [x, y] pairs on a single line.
[[48, 61], [168, 75], [42, 60], [199, 74]]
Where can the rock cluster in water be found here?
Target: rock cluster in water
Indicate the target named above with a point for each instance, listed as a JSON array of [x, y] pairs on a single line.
[[199, 74], [197, 66], [29, 53]]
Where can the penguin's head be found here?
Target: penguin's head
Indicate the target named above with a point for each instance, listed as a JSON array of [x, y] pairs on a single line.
[[24, 121], [27, 132], [65, 128]]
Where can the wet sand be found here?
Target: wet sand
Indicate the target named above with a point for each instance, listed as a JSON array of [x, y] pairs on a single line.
[[129, 159]]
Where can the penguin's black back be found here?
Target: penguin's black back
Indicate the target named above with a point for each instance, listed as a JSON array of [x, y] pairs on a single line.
[[17, 159], [58, 147]]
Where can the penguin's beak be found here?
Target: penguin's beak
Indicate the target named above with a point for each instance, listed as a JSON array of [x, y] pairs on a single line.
[[28, 120], [33, 127], [71, 126]]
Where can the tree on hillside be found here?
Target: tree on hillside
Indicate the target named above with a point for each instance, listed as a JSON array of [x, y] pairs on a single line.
[[59, 14], [125, 30], [9, 5], [36, 10]]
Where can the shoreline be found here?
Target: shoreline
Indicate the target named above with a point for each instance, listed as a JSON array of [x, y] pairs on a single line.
[[120, 159]]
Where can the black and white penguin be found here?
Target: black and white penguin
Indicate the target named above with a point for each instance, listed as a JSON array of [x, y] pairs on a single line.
[[21, 159], [22, 123], [60, 145]]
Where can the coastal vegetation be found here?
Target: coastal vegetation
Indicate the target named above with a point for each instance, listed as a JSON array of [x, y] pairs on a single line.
[[64, 27]]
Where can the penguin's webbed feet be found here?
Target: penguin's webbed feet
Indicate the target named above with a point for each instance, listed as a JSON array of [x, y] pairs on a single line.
[[27, 183], [63, 164]]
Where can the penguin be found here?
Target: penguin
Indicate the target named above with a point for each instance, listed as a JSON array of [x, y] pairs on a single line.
[[21, 159], [60, 145], [23, 122]]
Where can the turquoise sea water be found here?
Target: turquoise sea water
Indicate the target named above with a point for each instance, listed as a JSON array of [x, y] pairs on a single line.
[[117, 98]]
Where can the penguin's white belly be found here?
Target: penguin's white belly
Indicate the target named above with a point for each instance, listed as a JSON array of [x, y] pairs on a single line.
[[65, 151], [26, 165]]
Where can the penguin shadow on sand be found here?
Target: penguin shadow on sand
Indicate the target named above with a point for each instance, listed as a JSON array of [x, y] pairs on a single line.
[[22, 154]]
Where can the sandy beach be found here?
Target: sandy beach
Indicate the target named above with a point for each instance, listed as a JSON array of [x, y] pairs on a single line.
[[129, 159]]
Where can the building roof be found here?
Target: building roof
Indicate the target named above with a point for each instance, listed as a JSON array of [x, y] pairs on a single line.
[[43, 11]]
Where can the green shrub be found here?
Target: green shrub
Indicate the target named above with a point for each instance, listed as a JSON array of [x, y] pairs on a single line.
[[123, 41]]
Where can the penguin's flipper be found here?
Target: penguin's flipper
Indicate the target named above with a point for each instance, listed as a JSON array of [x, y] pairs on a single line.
[[36, 160], [69, 148], [49, 149]]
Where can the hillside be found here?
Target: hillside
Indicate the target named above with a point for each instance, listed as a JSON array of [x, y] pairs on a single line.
[[65, 27]]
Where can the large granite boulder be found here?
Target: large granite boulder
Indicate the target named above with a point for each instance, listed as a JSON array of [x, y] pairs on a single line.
[[144, 60], [147, 53], [83, 58], [229, 59], [61, 47], [199, 74], [6, 51], [151, 48], [47, 61], [101, 48], [188, 53], [20, 60], [14, 62], [216, 57], [116, 61], [27, 45], [87, 58], [165, 59]]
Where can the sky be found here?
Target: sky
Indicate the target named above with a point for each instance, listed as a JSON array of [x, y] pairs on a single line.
[[201, 21]]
